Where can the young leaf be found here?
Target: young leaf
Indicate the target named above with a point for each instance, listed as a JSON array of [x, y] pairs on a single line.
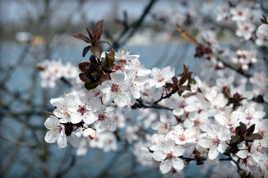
[[90, 86], [84, 77], [254, 137], [84, 66], [97, 31], [235, 139], [243, 128], [81, 37], [250, 130], [85, 51], [96, 51]]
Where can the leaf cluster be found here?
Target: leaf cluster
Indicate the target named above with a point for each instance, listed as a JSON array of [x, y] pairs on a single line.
[[98, 67], [182, 84], [234, 100], [242, 134]]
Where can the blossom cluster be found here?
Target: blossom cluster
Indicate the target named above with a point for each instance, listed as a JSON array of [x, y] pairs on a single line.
[[236, 61], [262, 35], [245, 16], [52, 71], [198, 122], [171, 120]]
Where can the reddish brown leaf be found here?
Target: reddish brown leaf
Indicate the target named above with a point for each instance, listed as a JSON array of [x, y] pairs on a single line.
[[84, 78], [250, 130], [96, 51], [81, 37], [85, 51], [254, 137], [84, 66], [97, 31]]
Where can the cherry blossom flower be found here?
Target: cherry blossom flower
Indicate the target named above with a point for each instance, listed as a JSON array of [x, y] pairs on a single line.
[[215, 140], [56, 132], [73, 109], [243, 59], [168, 156], [262, 35], [245, 30], [201, 119], [215, 97], [250, 114], [240, 14], [52, 71], [116, 90], [182, 136], [161, 76], [105, 141]]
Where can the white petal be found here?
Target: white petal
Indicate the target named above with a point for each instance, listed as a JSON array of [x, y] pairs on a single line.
[[220, 118], [51, 136], [262, 30], [222, 147], [56, 101], [213, 153], [178, 111], [179, 129], [178, 164], [89, 132], [264, 142], [242, 154], [259, 114], [51, 123], [76, 118], [191, 133], [178, 151], [90, 118], [190, 108], [204, 143], [118, 77], [159, 155], [62, 140], [165, 166], [122, 100]]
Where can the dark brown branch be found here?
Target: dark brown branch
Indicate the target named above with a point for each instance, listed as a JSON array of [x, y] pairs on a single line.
[[140, 104], [127, 33]]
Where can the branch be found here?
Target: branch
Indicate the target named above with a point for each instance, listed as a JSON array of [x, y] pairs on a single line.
[[127, 33], [63, 172], [233, 68], [207, 50], [140, 104]]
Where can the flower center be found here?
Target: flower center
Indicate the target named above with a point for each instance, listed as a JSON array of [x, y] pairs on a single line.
[[161, 80], [169, 156], [82, 109], [246, 28], [197, 123], [117, 67], [123, 61], [240, 13], [182, 138], [248, 118], [145, 94], [262, 132], [216, 141], [102, 117], [115, 87]]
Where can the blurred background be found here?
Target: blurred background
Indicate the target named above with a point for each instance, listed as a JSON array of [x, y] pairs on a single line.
[[36, 30]]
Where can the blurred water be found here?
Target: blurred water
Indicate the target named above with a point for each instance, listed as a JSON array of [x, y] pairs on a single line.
[[17, 11]]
